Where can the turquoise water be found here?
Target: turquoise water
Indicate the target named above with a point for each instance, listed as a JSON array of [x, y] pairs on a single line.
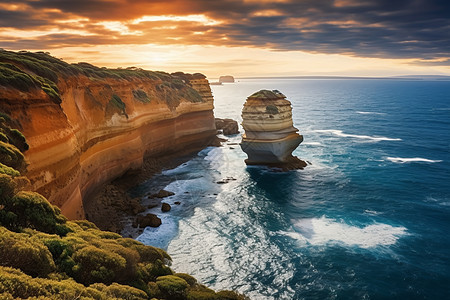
[[368, 219]]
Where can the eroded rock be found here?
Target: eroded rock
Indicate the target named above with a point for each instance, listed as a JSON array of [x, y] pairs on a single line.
[[270, 137], [228, 126]]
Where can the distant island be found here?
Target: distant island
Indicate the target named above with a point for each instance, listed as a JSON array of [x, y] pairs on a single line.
[[223, 79], [226, 78]]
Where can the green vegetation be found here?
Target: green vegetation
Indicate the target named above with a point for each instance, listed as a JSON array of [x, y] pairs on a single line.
[[192, 95], [141, 96], [44, 256], [11, 156], [267, 95], [27, 71], [12, 76], [117, 104], [272, 109]]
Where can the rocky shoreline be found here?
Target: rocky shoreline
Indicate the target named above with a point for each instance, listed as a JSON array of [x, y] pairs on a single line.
[[111, 208]]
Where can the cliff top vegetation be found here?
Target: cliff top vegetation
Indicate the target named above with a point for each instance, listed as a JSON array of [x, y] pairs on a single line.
[[26, 71]]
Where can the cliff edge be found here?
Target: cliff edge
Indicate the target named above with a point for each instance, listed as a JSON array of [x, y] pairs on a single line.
[[87, 125]]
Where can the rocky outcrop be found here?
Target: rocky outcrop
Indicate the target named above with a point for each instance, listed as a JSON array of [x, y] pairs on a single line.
[[101, 123], [226, 78], [151, 220], [270, 136], [228, 126]]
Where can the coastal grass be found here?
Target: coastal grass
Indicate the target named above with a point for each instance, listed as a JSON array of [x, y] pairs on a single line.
[[141, 96]]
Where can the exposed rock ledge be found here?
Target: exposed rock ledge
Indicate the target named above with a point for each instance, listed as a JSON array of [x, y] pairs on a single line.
[[103, 126]]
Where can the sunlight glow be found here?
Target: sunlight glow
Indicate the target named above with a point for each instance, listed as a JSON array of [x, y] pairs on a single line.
[[11, 33], [189, 18], [119, 27]]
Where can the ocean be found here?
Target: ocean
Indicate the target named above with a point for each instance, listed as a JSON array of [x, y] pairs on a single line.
[[369, 218]]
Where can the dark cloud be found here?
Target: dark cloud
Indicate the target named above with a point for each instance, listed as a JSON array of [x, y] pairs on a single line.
[[368, 28]]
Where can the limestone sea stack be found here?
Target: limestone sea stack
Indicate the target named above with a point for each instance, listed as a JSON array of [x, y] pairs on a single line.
[[270, 136]]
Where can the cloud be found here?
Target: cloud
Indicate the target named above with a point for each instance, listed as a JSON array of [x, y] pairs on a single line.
[[366, 28]]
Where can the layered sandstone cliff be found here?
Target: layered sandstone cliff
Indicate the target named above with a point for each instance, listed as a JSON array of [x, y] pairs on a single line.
[[101, 123], [270, 136]]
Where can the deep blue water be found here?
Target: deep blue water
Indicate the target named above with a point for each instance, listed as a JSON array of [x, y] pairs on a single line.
[[368, 219]]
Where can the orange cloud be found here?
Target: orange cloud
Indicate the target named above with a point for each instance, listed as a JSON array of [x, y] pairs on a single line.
[[367, 28]]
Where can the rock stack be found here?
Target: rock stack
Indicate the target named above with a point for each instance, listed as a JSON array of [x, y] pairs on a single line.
[[270, 136]]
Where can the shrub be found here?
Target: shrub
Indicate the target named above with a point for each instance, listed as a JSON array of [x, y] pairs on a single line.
[[97, 265], [14, 77], [7, 188], [12, 157], [172, 286], [153, 290], [61, 251], [18, 250], [189, 279], [147, 253], [3, 137], [151, 271], [8, 171], [117, 104], [141, 96], [119, 291], [17, 139], [21, 286], [34, 211], [85, 224], [201, 295], [4, 116]]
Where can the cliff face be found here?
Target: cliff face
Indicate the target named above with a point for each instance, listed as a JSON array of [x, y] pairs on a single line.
[[103, 127]]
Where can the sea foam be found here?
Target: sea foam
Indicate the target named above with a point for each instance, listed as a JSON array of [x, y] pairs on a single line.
[[356, 136], [401, 160], [321, 231], [369, 113], [312, 143]]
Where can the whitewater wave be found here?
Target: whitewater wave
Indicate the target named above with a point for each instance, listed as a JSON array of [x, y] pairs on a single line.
[[312, 143], [356, 136], [160, 236], [369, 113], [322, 231], [402, 160], [371, 212]]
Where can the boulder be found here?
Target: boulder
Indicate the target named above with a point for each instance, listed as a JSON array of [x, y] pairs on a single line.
[[151, 220], [161, 194], [165, 207], [228, 126]]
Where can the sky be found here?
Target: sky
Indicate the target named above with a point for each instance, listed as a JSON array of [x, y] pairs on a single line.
[[238, 37]]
